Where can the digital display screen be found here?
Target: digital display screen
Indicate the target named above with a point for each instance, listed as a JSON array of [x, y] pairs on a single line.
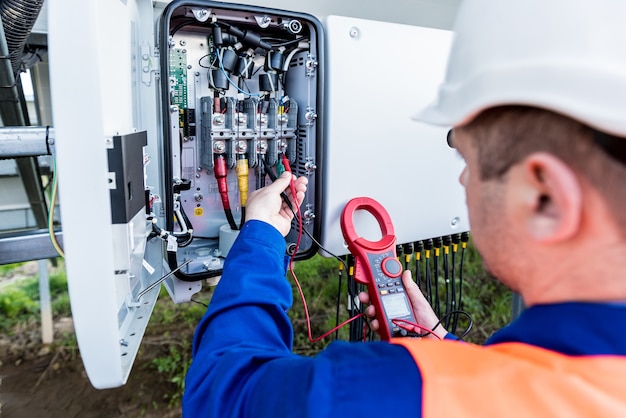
[[396, 306]]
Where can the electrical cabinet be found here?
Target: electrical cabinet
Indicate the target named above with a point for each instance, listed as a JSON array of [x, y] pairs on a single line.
[[242, 89], [179, 110]]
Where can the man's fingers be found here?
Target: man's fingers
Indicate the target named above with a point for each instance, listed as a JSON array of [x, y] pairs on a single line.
[[364, 297], [374, 325], [412, 290]]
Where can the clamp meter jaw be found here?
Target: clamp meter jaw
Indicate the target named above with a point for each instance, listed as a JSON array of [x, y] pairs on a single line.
[[377, 266]]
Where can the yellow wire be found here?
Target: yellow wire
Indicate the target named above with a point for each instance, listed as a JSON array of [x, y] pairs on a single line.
[[53, 200]]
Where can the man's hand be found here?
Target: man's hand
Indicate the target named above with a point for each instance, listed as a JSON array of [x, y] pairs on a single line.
[[267, 205], [424, 314]]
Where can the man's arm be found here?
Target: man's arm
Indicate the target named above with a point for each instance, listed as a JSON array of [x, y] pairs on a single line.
[[242, 360]]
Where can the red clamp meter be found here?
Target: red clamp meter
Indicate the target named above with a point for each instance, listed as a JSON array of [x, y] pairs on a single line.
[[376, 265]]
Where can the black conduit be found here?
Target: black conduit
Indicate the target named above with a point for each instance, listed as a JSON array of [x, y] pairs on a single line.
[[18, 19]]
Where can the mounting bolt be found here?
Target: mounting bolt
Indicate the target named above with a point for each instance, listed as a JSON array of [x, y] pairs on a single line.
[[218, 120], [241, 147], [310, 166], [311, 64], [310, 116], [219, 147]]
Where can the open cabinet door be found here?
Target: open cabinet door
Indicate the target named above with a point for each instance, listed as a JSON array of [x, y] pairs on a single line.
[[101, 137]]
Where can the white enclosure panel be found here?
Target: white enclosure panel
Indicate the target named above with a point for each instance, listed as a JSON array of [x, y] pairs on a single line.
[[93, 45], [378, 75]]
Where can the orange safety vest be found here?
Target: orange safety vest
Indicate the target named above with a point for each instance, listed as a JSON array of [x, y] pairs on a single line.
[[516, 380]]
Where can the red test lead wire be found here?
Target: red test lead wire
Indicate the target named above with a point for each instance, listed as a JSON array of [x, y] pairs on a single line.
[[298, 214]]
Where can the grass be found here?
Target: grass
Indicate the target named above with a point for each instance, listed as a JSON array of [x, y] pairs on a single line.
[[19, 301]]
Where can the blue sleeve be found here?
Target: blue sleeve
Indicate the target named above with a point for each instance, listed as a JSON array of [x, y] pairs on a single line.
[[242, 360]]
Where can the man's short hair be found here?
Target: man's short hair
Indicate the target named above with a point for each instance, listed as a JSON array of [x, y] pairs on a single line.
[[505, 135]]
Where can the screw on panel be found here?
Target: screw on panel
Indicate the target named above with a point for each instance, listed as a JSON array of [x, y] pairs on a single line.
[[310, 166], [311, 64], [263, 21], [310, 116], [354, 32], [201, 15]]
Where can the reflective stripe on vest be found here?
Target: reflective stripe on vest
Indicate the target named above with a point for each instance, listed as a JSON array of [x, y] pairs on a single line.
[[516, 380]]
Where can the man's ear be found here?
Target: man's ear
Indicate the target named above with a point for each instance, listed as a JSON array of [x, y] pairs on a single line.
[[548, 196]]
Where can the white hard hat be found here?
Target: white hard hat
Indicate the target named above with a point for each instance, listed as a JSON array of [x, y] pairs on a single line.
[[568, 56]]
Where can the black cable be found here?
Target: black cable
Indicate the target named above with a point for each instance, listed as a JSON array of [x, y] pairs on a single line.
[[231, 219], [287, 43], [212, 66], [418, 255], [437, 247], [464, 241], [408, 252], [428, 244], [351, 291], [187, 222], [446, 249], [444, 317], [338, 301], [243, 217], [456, 239], [181, 25], [201, 303]]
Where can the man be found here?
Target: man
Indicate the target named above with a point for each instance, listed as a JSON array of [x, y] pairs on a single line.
[[536, 92]]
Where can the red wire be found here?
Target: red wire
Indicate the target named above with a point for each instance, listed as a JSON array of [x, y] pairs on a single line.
[[292, 188]]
